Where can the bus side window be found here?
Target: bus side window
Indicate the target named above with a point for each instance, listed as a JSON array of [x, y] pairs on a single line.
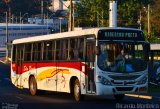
[[47, 54], [75, 48], [71, 50], [39, 51], [58, 50], [49, 51], [28, 48], [14, 53], [34, 55], [54, 50], [81, 48], [64, 49], [90, 53]]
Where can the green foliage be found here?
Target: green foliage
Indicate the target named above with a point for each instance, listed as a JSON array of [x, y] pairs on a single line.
[[92, 13], [128, 13]]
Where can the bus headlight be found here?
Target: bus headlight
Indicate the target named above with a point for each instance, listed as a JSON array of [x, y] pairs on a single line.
[[143, 80], [103, 80]]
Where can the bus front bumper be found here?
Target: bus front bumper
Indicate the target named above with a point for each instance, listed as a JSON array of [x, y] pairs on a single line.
[[128, 89]]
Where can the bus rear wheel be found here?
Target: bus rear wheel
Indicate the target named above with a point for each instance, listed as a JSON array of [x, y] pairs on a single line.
[[33, 86], [119, 97], [77, 91]]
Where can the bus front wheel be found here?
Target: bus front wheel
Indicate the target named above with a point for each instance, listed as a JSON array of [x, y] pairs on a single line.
[[77, 90], [32, 86], [119, 97]]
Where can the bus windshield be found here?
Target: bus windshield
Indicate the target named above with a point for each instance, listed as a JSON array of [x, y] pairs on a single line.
[[121, 57]]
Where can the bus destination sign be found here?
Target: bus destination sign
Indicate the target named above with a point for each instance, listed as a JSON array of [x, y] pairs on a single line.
[[120, 35]]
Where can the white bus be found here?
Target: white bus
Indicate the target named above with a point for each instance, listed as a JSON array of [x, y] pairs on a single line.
[[82, 62]]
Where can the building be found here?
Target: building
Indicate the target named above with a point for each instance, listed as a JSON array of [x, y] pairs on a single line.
[[56, 5], [61, 4], [16, 31]]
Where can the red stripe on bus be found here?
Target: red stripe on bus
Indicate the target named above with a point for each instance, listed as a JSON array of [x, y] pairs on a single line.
[[30, 66]]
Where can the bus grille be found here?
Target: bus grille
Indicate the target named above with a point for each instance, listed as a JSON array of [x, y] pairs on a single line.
[[123, 82], [124, 88], [124, 77]]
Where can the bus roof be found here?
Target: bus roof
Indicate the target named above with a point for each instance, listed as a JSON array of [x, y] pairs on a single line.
[[66, 34]]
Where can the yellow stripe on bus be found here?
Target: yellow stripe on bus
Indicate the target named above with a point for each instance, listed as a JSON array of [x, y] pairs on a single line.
[[50, 73]]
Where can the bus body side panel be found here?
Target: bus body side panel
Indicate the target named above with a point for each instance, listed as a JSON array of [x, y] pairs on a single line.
[[28, 70], [83, 77], [67, 70], [46, 76], [49, 77], [21, 79], [13, 73]]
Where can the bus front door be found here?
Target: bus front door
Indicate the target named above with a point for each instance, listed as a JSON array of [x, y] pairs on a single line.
[[19, 60], [90, 60]]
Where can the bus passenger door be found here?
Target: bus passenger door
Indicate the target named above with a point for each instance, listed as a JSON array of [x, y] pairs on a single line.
[[90, 60], [19, 61]]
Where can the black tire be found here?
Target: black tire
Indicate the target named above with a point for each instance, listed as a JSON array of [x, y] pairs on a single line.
[[33, 86], [77, 91], [119, 97]]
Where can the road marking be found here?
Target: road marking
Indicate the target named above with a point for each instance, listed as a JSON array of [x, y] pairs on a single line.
[[139, 96], [19, 97]]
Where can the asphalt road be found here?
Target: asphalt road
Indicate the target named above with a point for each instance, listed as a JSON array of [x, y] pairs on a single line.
[[14, 98]]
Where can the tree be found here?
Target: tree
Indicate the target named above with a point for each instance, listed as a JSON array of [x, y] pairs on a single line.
[[155, 19], [129, 12], [92, 13], [31, 7]]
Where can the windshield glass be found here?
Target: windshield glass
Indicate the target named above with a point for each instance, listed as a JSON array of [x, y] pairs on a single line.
[[121, 57]]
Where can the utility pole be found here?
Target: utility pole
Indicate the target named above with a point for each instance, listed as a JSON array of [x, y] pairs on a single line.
[[71, 17], [7, 50], [7, 36], [12, 18], [42, 11], [139, 20], [102, 17], [97, 19], [113, 13], [60, 24], [149, 31], [9, 13], [140, 23], [20, 18]]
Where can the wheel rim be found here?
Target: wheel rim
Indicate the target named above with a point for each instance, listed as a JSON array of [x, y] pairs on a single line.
[[32, 87], [77, 91]]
